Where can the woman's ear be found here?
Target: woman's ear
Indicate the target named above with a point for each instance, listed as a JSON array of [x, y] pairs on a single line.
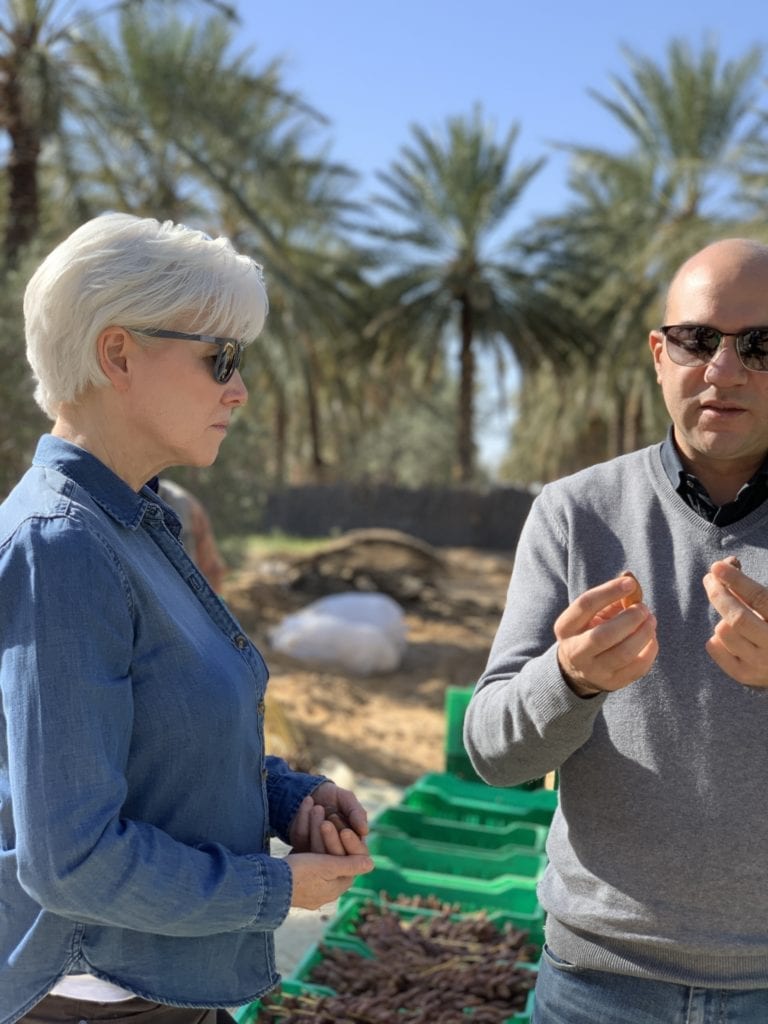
[[114, 347]]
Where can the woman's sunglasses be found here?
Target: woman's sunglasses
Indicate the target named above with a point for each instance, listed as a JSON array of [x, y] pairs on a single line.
[[228, 359], [698, 344]]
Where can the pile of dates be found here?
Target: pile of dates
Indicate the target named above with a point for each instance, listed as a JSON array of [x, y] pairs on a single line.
[[442, 966]]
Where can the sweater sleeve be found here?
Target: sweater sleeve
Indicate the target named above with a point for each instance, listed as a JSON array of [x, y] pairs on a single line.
[[523, 720]]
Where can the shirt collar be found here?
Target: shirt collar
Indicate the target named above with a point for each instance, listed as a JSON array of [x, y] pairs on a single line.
[[670, 459], [107, 489], [691, 490], [673, 466]]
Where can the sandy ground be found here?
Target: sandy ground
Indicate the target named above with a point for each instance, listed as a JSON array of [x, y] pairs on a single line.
[[388, 727], [375, 734]]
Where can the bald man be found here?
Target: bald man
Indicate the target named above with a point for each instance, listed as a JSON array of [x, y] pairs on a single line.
[[653, 711]]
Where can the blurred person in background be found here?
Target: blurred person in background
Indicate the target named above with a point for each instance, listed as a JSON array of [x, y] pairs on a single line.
[[136, 798], [196, 530]]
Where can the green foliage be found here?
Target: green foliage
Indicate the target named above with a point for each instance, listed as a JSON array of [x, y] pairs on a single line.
[[162, 115], [411, 442], [239, 549], [21, 421], [607, 259], [450, 268]]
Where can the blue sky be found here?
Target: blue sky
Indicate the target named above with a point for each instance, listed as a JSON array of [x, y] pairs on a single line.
[[374, 69]]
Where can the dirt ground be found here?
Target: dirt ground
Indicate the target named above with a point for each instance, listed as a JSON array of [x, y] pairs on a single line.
[[387, 726]]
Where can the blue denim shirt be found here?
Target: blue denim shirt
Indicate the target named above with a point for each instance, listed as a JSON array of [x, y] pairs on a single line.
[[136, 801]]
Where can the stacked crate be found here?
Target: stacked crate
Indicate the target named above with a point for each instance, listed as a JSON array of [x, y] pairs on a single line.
[[454, 858]]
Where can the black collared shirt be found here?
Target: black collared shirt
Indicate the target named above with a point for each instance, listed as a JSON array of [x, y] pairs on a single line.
[[752, 494]]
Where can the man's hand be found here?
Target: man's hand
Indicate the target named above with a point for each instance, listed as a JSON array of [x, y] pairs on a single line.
[[603, 646], [330, 820], [321, 878], [739, 643]]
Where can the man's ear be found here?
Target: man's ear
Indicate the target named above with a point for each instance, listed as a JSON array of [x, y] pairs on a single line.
[[114, 347], [656, 343]]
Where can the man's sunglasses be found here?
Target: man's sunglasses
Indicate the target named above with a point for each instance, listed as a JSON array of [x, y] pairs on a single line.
[[698, 344], [230, 353]]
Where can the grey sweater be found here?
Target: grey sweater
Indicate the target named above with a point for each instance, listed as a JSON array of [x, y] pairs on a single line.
[[659, 848]]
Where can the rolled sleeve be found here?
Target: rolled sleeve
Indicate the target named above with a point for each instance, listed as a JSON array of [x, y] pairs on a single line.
[[285, 791]]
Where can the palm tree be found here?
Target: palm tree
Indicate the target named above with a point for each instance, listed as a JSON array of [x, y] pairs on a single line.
[[40, 77], [635, 215], [693, 118], [450, 195], [182, 126]]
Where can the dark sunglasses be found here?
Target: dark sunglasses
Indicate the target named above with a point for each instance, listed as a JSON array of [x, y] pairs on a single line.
[[229, 358], [698, 344]]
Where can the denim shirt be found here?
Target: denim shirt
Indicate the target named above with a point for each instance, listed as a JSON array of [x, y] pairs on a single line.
[[136, 801]]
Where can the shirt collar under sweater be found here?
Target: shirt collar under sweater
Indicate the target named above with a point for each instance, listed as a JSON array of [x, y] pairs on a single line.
[[692, 491]]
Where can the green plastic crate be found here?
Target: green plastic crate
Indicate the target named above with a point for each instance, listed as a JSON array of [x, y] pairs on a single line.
[[343, 926], [250, 1014], [457, 760], [442, 795], [465, 893], [410, 822], [436, 858], [341, 935], [316, 953]]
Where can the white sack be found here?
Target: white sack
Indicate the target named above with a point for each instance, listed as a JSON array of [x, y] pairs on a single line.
[[362, 633]]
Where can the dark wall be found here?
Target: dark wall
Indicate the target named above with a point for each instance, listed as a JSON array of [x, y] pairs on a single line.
[[440, 516]]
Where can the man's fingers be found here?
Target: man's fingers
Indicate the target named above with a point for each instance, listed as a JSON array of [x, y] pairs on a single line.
[[744, 667], [739, 643], [749, 591], [580, 614], [736, 643]]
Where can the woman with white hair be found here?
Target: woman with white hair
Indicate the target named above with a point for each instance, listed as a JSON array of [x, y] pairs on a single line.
[[136, 799]]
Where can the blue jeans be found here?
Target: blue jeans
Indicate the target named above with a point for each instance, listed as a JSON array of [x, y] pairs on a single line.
[[572, 995]]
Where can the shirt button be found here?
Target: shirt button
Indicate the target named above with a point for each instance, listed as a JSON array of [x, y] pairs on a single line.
[[261, 707], [264, 774], [241, 642]]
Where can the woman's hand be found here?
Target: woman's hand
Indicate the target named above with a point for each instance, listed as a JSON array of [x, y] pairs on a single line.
[[321, 878], [330, 820]]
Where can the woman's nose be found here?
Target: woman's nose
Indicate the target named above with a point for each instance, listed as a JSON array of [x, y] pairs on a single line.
[[235, 391]]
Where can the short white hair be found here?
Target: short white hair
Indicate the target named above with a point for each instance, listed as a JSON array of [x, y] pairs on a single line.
[[129, 271]]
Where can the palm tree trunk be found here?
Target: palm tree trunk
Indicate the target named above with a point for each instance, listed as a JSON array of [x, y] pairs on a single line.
[[281, 437], [633, 419], [23, 212], [313, 409], [465, 439]]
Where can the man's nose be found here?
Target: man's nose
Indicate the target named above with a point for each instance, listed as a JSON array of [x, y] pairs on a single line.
[[725, 363]]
